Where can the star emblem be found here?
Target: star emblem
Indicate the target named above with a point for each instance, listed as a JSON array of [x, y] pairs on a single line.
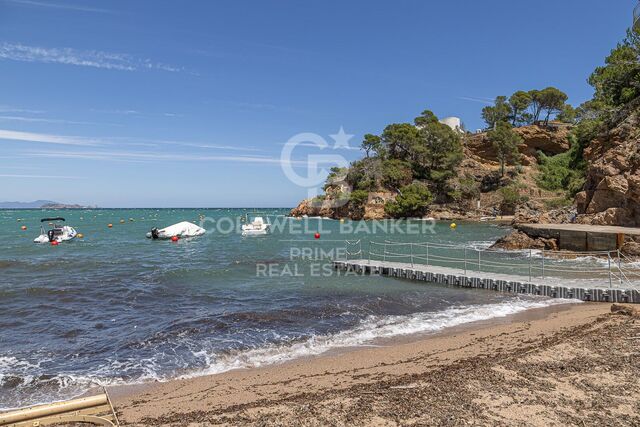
[[342, 139]]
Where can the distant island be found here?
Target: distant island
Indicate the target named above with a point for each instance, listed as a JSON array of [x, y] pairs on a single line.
[[42, 204]]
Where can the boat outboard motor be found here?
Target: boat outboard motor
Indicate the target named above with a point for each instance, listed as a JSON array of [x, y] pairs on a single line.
[[154, 233], [51, 235]]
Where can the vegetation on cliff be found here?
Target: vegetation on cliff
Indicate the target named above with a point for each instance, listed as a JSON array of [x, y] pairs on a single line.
[[536, 145]]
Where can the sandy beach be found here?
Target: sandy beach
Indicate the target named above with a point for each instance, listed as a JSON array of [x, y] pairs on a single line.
[[575, 364]]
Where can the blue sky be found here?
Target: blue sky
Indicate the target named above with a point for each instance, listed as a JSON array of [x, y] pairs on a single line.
[[167, 103]]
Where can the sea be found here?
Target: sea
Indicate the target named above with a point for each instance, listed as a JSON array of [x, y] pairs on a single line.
[[115, 307]]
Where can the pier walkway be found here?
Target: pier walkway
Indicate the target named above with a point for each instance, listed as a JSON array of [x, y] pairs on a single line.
[[605, 276]]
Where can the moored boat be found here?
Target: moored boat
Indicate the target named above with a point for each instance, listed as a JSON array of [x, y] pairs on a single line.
[[256, 227], [181, 229], [59, 233]]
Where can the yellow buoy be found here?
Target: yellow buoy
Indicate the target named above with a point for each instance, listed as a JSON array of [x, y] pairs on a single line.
[[80, 235], [341, 220], [453, 225]]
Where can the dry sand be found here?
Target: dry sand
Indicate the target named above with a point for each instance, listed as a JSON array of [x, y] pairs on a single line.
[[569, 365]]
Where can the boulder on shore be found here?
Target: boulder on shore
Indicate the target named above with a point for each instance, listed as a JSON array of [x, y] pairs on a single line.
[[518, 240]]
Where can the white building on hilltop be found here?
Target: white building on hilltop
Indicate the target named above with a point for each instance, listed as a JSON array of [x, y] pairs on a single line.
[[454, 123]]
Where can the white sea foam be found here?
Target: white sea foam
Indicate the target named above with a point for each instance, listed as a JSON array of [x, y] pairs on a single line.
[[369, 330]]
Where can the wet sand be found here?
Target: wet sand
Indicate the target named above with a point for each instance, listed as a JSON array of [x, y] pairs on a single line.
[[575, 364]]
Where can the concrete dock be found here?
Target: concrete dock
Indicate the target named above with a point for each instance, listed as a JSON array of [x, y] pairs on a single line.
[[581, 237], [599, 289]]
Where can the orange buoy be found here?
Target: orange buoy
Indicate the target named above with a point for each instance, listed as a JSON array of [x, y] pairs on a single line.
[[175, 238], [54, 243], [110, 225], [317, 235], [24, 227]]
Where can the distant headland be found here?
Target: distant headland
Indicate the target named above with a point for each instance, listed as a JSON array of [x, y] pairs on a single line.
[[42, 204]]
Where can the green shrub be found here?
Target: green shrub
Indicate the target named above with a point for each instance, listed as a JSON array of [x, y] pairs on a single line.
[[557, 203], [359, 197], [565, 171], [464, 188], [396, 173], [511, 198], [413, 201]]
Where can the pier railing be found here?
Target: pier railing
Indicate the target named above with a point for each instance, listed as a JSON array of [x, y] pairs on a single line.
[[596, 268]]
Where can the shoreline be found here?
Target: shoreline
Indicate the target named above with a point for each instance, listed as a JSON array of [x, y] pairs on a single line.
[[335, 385]]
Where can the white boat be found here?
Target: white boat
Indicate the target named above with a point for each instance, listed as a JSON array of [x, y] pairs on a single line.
[[59, 233], [256, 227], [181, 229]]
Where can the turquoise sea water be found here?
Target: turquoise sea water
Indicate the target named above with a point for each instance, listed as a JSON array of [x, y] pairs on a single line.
[[115, 307]]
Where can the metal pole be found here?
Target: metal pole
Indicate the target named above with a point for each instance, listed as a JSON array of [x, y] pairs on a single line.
[[619, 266], [384, 254], [609, 260], [465, 260], [530, 259], [479, 265], [427, 254], [543, 263], [411, 247], [369, 252]]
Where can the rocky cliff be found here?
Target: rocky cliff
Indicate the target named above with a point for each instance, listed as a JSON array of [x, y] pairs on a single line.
[[611, 193], [552, 139]]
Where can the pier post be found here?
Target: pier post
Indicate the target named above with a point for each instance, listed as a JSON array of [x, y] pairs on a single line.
[[411, 249], [619, 266], [479, 265], [427, 253], [543, 263], [530, 261], [384, 253], [465, 260], [609, 261], [369, 252]]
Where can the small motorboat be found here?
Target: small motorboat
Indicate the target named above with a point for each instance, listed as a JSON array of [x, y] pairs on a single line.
[[59, 233], [181, 229], [256, 227]]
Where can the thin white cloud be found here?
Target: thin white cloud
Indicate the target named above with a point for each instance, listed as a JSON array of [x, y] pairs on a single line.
[[82, 58], [124, 112], [481, 100], [58, 6], [53, 121], [12, 109], [155, 157], [44, 138], [40, 176]]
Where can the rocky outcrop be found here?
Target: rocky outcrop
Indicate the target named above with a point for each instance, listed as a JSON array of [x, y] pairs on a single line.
[[533, 212], [611, 193], [551, 140], [333, 207], [518, 240]]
